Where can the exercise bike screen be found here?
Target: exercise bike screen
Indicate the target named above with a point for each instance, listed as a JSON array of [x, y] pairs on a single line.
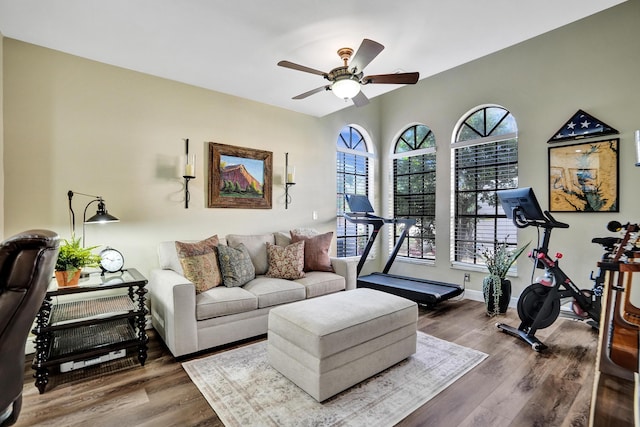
[[524, 200]]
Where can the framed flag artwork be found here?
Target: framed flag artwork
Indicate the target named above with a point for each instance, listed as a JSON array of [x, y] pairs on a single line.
[[582, 125]]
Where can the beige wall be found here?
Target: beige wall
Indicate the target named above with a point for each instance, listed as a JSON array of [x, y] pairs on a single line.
[[591, 65], [70, 123], [74, 124]]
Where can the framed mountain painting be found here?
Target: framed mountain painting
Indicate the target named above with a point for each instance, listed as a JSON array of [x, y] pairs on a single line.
[[239, 177]]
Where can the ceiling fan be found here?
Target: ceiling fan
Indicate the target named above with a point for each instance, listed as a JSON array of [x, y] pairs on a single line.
[[347, 80]]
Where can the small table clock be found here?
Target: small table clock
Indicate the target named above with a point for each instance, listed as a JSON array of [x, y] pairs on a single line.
[[111, 260]]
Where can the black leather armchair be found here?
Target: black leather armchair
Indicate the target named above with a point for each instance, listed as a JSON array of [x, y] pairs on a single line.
[[27, 261]]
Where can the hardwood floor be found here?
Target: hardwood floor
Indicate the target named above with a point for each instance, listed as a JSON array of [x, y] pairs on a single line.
[[514, 386]]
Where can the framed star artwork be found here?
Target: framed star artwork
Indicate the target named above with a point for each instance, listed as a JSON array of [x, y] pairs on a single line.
[[582, 125]]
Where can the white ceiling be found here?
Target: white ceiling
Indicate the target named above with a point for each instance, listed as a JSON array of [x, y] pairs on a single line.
[[232, 46]]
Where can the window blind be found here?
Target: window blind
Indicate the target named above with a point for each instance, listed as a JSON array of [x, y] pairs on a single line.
[[479, 221], [414, 185], [352, 177]]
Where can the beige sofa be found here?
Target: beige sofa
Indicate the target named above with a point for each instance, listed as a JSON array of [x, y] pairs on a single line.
[[189, 322]]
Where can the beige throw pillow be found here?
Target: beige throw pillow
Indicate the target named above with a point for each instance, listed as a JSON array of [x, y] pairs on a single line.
[[200, 263], [286, 262]]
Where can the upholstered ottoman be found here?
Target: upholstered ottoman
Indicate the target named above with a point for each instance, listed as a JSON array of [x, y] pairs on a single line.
[[330, 343]]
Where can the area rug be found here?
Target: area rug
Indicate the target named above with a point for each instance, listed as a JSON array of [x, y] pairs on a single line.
[[244, 390]]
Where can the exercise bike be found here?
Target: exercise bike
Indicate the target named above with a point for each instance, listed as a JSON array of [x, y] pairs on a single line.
[[540, 303]]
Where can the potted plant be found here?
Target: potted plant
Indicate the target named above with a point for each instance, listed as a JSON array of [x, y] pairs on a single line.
[[495, 287], [72, 259]]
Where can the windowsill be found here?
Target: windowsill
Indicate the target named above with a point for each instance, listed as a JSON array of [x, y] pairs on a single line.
[[478, 269], [417, 261]]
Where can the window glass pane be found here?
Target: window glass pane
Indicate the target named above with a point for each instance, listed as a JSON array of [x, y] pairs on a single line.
[[494, 116], [352, 139], [507, 126], [477, 122], [415, 138], [466, 133], [402, 147]]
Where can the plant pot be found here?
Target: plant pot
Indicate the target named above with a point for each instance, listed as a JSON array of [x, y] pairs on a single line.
[[497, 298], [67, 278]]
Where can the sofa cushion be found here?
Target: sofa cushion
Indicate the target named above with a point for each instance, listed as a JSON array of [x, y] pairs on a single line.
[[282, 238], [316, 251], [286, 262], [271, 291], [235, 265], [256, 245], [319, 283], [222, 301], [199, 263], [305, 232], [168, 257]]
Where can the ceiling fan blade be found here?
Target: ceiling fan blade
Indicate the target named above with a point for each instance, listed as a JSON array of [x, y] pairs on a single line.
[[367, 51], [311, 92], [360, 99], [293, 66], [400, 78]]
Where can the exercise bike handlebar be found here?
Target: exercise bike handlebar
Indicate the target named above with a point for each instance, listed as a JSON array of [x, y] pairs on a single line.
[[546, 221], [554, 223]]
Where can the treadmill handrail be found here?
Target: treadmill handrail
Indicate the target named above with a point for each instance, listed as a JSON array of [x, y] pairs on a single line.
[[408, 222], [377, 222]]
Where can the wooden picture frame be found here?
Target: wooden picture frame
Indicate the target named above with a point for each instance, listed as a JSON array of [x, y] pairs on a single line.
[[584, 177], [239, 177]]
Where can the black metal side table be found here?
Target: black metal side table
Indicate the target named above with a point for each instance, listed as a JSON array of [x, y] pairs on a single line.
[[90, 326]]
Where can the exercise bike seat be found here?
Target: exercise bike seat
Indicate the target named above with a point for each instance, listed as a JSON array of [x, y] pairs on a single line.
[[607, 242]]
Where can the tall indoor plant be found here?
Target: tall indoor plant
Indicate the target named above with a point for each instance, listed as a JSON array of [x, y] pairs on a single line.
[[495, 287], [72, 259]]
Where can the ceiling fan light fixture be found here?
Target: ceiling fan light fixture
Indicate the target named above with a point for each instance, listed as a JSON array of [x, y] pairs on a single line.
[[345, 88]]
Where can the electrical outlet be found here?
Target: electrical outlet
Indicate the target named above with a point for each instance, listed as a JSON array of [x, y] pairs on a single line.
[[467, 277]]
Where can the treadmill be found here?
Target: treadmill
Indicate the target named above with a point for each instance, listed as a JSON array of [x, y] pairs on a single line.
[[422, 291]]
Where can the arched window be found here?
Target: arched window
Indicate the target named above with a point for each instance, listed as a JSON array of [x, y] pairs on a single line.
[[353, 167], [414, 191], [484, 159]]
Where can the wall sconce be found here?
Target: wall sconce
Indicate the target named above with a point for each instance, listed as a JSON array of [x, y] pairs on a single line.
[[289, 180], [638, 148], [189, 172], [101, 216]]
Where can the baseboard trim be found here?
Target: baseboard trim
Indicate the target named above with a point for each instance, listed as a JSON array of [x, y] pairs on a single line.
[[479, 296]]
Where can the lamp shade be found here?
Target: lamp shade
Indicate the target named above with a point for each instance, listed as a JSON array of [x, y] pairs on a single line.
[[101, 215], [345, 88]]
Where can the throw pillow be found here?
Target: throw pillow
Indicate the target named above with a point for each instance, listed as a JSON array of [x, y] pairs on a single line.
[[286, 262], [316, 251], [200, 263], [255, 244], [235, 265]]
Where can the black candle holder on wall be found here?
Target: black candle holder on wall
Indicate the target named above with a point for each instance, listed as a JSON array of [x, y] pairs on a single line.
[[289, 178], [189, 173]]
